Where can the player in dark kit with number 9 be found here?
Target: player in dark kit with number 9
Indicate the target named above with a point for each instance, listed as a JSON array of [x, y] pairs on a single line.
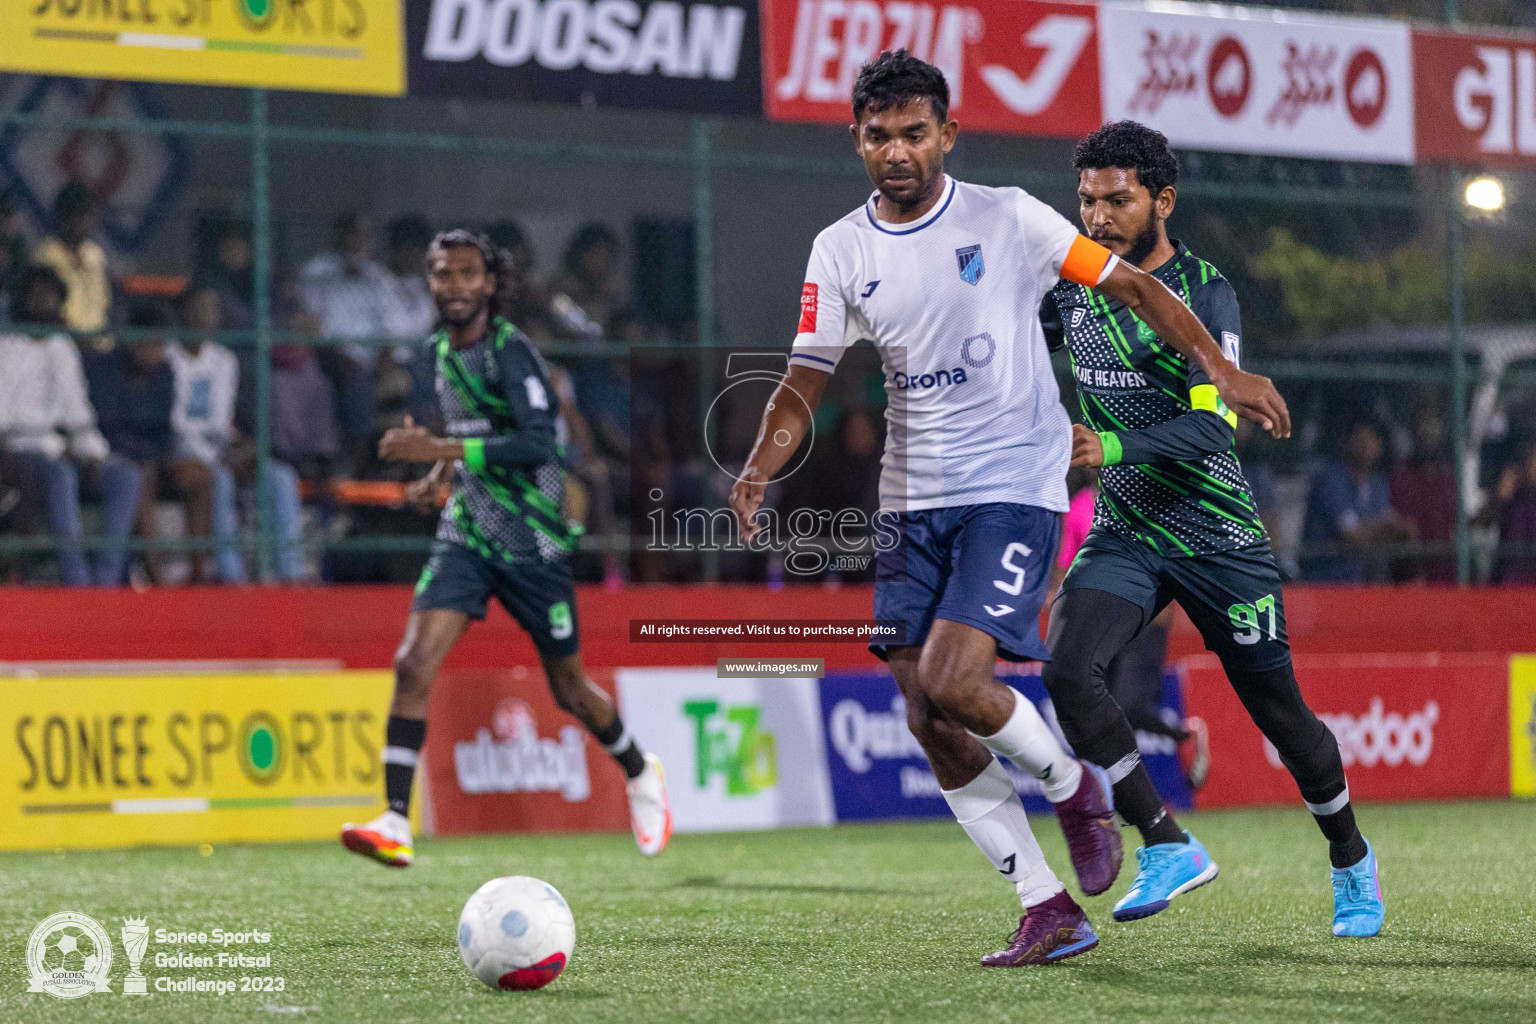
[[1174, 521], [502, 532]]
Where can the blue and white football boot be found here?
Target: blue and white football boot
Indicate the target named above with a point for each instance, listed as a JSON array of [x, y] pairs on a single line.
[[1165, 870], [1358, 910]]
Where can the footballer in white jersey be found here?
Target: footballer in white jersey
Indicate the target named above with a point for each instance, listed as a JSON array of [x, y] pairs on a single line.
[[945, 279], [973, 413]]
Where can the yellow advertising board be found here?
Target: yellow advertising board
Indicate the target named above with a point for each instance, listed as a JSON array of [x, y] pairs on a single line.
[[124, 761], [1522, 725], [317, 45]]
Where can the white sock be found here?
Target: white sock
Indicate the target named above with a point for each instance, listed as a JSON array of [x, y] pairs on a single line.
[[990, 812], [1028, 742]]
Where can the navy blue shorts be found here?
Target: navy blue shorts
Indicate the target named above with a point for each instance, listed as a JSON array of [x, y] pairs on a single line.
[[541, 596], [987, 566], [1232, 597]]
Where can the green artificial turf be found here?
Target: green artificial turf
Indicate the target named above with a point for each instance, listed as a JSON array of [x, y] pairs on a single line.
[[856, 923]]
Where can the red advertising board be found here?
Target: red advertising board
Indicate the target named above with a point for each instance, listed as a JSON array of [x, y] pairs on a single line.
[[1476, 97], [1410, 727], [1014, 67], [501, 757]]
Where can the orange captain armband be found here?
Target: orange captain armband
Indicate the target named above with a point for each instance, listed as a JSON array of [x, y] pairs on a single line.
[[1086, 262]]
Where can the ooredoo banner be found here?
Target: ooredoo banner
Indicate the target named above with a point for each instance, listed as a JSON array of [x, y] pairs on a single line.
[[501, 757], [1014, 67], [668, 54], [739, 753], [1476, 97], [1260, 81], [1409, 727]]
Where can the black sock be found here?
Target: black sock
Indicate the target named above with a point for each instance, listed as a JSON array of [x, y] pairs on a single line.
[[1139, 803], [402, 748], [617, 740], [1346, 845]]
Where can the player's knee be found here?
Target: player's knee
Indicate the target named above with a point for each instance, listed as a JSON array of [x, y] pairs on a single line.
[[413, 670], [923, 719], [569, 688], [946, 681], [1068, 677], [1310, 751]]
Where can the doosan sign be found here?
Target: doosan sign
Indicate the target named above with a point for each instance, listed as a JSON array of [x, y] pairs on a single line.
[[664, 53]]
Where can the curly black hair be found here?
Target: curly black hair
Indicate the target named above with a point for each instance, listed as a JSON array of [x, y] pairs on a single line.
[[896, 78], [1132, 146], [463, 238]]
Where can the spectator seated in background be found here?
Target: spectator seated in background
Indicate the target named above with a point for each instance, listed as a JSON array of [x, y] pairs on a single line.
[[348, 293], [409, 312], [1350, 506], [49, 429], [231, 274], [586, 295], [518, 293], [1423, 489], [13, 253], [304, 428], [78, 259], [1512, 507], [134, 391], [207, 379]]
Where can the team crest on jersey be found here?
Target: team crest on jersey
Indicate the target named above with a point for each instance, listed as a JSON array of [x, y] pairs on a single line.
[[971, 267], [1077, 316]]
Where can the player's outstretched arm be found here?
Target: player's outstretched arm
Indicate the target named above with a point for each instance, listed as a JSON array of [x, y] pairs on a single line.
[[1250, 395], [785, 422]]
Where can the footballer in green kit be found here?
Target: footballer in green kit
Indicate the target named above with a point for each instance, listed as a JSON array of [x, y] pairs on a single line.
[[1175, 521]]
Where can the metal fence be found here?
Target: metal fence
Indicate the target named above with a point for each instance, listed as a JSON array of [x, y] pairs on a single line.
[[739, 171]]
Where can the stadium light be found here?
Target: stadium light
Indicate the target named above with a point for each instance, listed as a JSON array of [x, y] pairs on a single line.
[[1486, 194]]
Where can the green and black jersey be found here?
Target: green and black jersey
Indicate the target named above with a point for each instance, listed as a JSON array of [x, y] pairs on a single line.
[[1170, 477], [508, 490]]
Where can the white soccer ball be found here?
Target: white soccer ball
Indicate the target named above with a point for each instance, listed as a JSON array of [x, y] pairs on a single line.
[[516, 933]]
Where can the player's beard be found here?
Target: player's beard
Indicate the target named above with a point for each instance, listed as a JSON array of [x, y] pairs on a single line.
[[1143, 244], [464, 321]]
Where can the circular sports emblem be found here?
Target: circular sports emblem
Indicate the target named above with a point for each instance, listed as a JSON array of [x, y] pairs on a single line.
[[1228, 76], [69, 955], [256, 13], [261, 748], [977, 350], [1365, 88]]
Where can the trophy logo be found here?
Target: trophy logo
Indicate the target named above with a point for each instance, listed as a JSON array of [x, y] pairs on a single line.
[[69, 955], [135, 940]]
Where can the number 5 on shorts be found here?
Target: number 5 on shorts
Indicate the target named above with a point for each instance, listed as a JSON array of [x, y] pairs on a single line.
[[1015, 588]]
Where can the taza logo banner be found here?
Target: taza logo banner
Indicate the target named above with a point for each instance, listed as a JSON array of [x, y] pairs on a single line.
[[740, 753], [1014, 66], [669, 54], [320, 45], [1262, 82]]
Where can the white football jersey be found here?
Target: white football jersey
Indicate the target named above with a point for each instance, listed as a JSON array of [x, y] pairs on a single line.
[[952, 301]]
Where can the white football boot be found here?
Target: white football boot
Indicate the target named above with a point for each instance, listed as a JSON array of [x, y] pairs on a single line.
[[650, 813], [386, 839]]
